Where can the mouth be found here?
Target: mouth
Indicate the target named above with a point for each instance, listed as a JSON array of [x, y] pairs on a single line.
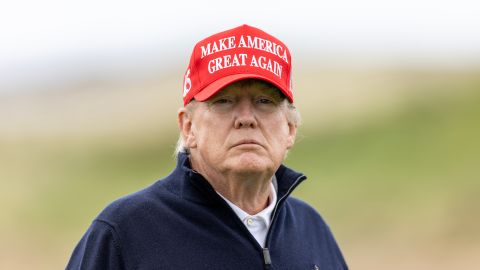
[[247, 143]]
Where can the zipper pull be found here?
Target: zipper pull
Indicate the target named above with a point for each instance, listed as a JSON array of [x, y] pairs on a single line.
[[266, 256]]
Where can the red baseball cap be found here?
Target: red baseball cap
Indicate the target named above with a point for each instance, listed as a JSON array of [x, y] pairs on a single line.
[[240, 53]]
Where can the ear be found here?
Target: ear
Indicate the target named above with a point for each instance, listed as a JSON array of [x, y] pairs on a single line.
[[292, 134], [185, 126]]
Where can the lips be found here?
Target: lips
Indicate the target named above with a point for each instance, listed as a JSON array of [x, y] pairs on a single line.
[[246, 142]]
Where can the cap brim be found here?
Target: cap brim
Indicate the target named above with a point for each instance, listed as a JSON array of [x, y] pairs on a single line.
[[219, 84]]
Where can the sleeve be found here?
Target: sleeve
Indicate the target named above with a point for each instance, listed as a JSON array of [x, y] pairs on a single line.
[[98, 249], [335, 249]]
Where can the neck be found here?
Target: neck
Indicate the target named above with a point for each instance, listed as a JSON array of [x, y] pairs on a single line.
[[250, 192]]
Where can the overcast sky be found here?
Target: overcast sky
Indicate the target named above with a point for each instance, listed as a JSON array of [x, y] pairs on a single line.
[[41, 39]]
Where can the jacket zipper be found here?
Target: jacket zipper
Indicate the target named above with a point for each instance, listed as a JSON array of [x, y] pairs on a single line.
[[266, 252]]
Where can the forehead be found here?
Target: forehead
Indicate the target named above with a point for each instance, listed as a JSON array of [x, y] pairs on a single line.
[[250, 86]]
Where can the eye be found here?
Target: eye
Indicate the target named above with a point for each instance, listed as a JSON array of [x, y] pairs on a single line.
[[264, 100], [222, 101]]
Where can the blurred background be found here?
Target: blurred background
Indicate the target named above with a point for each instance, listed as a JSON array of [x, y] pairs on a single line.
[[389, 93]]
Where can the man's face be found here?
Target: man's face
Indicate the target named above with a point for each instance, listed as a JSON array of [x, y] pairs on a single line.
[[242, 129]]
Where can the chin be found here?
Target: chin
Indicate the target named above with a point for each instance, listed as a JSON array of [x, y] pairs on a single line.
[[252, 163]]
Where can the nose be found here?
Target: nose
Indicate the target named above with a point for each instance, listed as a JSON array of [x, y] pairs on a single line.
[[245, 115]]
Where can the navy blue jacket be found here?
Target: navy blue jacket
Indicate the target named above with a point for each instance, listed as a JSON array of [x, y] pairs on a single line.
[[180, 222]]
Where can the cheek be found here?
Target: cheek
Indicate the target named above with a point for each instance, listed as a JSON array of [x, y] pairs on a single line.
[[283, 128], [279, 133], [210, 134]]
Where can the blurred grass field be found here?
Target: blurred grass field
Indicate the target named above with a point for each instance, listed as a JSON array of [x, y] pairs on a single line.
[[392, 159]]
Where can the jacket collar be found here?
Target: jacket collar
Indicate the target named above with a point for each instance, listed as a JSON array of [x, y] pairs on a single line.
[[191, 185]]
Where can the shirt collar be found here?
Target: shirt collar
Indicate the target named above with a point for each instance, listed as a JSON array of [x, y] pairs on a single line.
[[264, 215]]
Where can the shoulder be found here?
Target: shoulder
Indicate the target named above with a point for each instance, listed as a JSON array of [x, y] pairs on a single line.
[[302, 207], [304, 213], [134, 205], [312, 224]]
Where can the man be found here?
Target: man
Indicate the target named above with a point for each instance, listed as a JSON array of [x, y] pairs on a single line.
[[226, 205]]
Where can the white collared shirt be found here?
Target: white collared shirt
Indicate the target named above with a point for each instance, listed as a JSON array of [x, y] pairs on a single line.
[[259, 223]]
